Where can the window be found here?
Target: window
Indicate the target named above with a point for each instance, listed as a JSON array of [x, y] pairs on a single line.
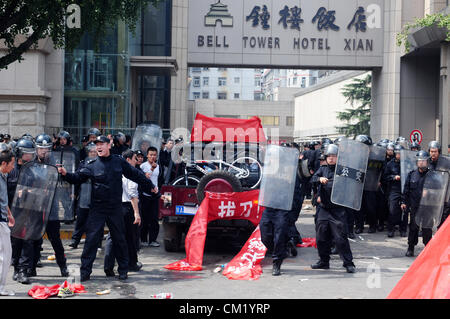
[[294, 81], [257, 96], [196, 95], [222, 81], [222, 69], [236, 95], [257, 82], [269, 120], [205, 81], [303, 82], [196, 69], [205, 95], [289, 121], [237, 80], [196, 82], [221, 96]]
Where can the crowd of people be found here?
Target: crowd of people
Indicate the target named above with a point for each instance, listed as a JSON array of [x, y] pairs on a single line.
[[126, 193], [120, 187], [388, 208]]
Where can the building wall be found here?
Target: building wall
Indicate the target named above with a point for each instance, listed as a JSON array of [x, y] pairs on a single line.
[[316, 107]]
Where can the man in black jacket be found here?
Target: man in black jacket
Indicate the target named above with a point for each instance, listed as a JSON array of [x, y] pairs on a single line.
[[391, 177], [411, 201], [105, 173], [331, 219]]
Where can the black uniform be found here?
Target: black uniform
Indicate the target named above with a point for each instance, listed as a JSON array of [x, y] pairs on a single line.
[[293, 233], [331, 221], [396, 216], [411, 197], [432, 165], [105, 174]]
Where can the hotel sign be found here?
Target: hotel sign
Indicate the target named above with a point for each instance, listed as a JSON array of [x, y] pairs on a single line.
[[286, 33]]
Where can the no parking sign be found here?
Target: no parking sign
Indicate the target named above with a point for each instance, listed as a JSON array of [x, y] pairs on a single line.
[[416, 136]]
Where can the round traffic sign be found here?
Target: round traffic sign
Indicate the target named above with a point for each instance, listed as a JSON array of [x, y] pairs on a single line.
[[416, 136]]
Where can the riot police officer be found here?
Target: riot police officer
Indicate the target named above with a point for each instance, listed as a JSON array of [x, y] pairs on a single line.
[[64, 143], [105, 173], [435, 150], [411, 201], [415, 146], [391, 177], [331, 219], [44, 146], [22, 250]]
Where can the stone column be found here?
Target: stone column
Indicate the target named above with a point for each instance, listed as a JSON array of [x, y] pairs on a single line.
[[444, 107]]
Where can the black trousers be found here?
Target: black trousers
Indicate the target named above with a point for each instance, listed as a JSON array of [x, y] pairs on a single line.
[[368, 212], [293, 232], [94, 234], [382, 208], [274, 226], [350, 213], [22, 254], [130, 236], [396, 215], [149, 208], [80, 225], [413, 234], [53, 233], [331, 227]]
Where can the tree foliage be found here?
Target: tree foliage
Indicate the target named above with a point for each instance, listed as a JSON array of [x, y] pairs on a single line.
[[357, 118], [23, 22]]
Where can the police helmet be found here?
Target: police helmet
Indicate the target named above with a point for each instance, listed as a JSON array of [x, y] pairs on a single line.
[[422, 156], [382, 144], [25, 146], [402, 141], [390, 146], [365, 139], [121, 137], [331, 149], [64, 134], [90, 146], [326, 140], [398, 148], [434, 144], [43, 141], [338, 140], [94, 131], [27, 136], [415, 145]]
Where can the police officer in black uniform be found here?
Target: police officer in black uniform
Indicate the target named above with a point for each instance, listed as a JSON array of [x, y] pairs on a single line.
[[331, 219], [105, 173], [64, 144], [22, 250], [391, 177], [411, 201], [44, 146]]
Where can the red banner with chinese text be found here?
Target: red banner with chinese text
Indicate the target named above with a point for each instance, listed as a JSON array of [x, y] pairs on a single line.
[[227, 206]]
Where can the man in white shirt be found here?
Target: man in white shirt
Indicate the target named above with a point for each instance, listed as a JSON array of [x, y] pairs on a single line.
[[149, 202], [132, 218]]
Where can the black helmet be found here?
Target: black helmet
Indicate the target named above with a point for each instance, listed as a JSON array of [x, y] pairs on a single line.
[[390, 146], [331, 149], [422, 156], [364, 139], [94, 131], [398, 148], [44, 141], [323, 147], [326, 140], [434, 144], [27, 136], [415, 145]]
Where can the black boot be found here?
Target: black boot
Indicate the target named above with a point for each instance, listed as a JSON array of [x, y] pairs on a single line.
[[321, 265], [74, 244], [23, 278], [15, 274], [334, 250], [276, 271], [410, 251], [291, 248], [64, 271]]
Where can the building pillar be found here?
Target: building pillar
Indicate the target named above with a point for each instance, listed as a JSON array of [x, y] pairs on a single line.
[[444, 97]]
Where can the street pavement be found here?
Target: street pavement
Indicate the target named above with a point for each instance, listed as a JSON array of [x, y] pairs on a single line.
[[380, 263]]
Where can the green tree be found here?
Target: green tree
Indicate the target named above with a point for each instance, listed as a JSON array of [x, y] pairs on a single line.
[[23, 23], [357, 118]]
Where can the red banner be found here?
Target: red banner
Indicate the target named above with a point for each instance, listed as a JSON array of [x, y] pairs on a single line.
[[242, 205], [429, 275], [246, 265]]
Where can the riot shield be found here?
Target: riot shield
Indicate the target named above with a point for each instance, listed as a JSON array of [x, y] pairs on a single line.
[[278, 177], [303, 168], [64, 202], [408, 163], [147, 135], [431, 207], [443, 164], [374, 168], [85, 195], [350, 173], [33, 200]]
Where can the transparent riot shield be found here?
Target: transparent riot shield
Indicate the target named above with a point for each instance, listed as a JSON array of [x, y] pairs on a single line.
[[63, 208], [350, 173], [84, 200], [374, 168], [147, 135], [278, 177], [33, 200], [408, 163], [431, 207]]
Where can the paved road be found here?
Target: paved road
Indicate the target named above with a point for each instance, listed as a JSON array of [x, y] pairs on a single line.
[[380, 263]]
